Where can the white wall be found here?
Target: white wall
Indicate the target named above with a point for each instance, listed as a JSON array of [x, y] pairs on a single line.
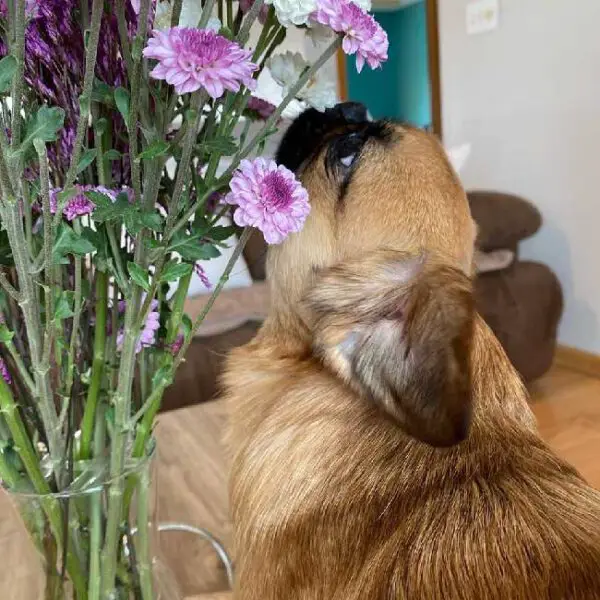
[[527, 96]]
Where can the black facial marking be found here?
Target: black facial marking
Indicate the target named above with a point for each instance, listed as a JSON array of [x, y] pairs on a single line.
[[312, 130]]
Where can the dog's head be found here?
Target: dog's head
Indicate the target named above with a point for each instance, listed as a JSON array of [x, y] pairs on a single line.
[[380, 273]]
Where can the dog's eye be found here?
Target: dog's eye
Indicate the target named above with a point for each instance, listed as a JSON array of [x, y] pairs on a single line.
[[348, 160], [346, 149]]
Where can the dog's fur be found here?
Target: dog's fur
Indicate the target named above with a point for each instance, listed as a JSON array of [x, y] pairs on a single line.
[[345, 411]]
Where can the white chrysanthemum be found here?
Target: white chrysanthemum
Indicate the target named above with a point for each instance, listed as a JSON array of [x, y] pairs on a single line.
[[364, 4], [293, 12], [286, 69]]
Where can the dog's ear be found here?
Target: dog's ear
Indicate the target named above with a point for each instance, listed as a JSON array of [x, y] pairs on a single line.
[[398, 329]]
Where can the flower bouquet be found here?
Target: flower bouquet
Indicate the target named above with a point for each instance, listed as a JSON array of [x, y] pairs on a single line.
[[115, 119]]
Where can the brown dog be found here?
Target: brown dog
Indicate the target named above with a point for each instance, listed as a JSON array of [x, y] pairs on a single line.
[[345, 412]]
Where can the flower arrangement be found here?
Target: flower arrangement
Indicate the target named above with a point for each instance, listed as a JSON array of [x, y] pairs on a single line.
[[114, 119]]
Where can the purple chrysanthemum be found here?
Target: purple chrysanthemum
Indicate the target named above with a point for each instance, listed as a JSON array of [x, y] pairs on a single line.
[[190, 59], [363, 36], [77, 206], [262, 108], [268, 197], [201, 273], [5, 372], [148, 333]]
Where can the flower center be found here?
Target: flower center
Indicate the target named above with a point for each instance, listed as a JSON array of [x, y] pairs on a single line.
[[275, 192]]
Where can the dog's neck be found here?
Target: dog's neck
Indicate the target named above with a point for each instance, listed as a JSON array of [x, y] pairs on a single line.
[[498, 391]]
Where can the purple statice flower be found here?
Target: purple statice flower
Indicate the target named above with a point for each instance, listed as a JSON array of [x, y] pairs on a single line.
[[77, 206], [268, 197], [201, 273], [263, 13], [262, 108], [5, 372], [190, 59], [214, 201], [148, 334], [176, 345], [363, 36]]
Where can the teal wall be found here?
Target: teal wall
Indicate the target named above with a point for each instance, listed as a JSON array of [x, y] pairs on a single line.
[[400, 89]]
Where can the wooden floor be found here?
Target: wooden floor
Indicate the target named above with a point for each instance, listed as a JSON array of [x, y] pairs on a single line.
[[192, 471]]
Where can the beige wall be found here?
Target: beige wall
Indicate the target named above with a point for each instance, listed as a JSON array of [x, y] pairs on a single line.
[[527, 96]]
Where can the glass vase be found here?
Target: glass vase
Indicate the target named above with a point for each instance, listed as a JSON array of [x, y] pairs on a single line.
[[57, 546]]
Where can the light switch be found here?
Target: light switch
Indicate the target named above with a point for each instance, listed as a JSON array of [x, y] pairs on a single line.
[[482, 16]]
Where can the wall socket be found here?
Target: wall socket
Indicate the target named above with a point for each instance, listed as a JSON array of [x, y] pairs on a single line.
[[482, 16]]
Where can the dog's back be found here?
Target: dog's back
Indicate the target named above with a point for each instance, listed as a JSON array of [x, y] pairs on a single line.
[[331, 502], [382, 445]]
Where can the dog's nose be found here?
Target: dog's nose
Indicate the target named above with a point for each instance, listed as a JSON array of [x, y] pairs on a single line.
[[352, 112]]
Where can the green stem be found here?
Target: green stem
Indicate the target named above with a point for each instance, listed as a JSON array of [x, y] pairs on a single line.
[[144, 428], [85, 99], [94, 579], [230, 14], [136, 89], [91, 405], [122, 405], [78, 307], [206, 13], [23, 372], [253, 13], [124, 35], [176, 14], [31, 314], [18, 51], [49, 504], [142, 541]]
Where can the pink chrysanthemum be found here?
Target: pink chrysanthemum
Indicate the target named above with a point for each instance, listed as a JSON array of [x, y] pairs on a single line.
[[201, 273], [363, 36], [268, 197], [77, 206], [190, 59], [5, 372]]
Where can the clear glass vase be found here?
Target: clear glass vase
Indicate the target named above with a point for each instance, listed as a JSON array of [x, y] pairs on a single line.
[[60, 546]]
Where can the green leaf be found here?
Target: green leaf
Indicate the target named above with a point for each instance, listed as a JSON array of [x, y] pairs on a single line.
[[5, 334], [220, 234], [8, 67], [44, 126], [152, 220], [113, 155], [86, 159], [174, 271], [225, 146], [69, 241], [100, 126], [63, 309], [122, 101], [164, 376], [102, 93], [186, 325], [157, 148], [139, 275]]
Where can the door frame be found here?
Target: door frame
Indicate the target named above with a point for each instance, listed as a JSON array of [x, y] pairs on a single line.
[[433, 49]]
